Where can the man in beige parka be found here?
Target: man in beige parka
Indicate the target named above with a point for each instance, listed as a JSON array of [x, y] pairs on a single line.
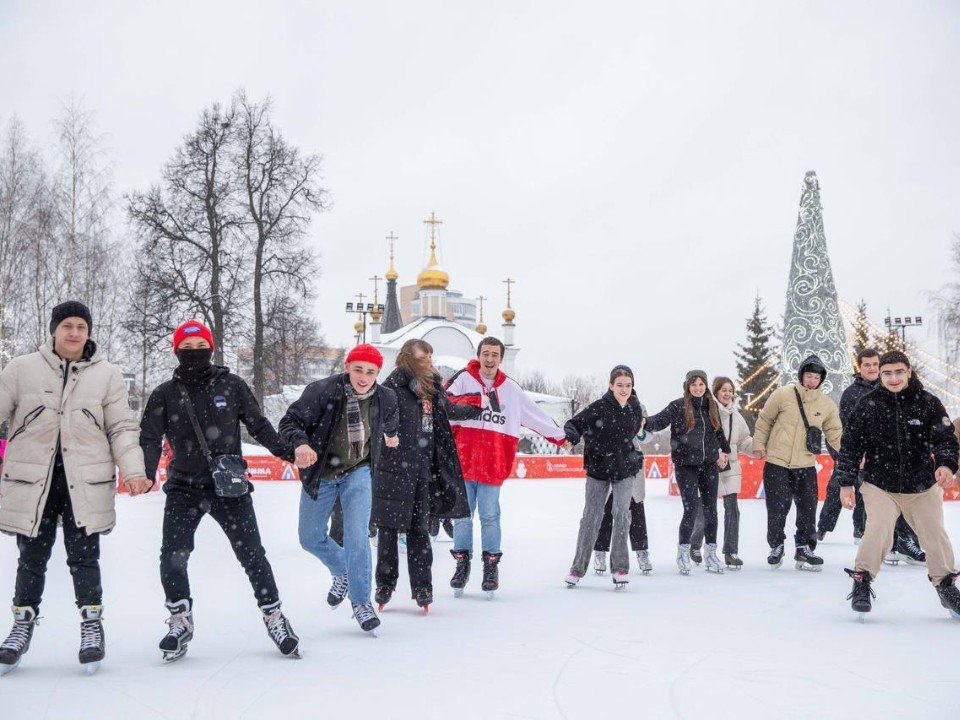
[[70, 426], [790, 472]]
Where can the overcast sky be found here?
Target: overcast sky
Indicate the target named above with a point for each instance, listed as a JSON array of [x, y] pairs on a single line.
[[637, 167]]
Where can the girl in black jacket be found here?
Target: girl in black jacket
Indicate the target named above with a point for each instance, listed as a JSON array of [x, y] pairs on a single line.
[[698, 448], [420, 478], [608, 427]]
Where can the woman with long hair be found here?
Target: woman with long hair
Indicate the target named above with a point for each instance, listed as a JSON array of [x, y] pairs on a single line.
[[420, 478], [698, 448], [608, 427]]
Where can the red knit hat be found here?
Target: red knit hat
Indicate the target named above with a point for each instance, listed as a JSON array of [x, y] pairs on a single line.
[[365, 353], [191, 328]]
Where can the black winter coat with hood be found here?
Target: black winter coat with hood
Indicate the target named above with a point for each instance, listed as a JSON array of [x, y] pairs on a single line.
[[905, 436], [701, 444], [395, 483], [608, 431]]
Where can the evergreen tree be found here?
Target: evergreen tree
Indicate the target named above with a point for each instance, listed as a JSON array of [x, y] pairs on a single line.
[[861, 330], [756, 363]]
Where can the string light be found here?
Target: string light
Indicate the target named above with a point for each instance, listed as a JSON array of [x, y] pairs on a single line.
[[763, 392]]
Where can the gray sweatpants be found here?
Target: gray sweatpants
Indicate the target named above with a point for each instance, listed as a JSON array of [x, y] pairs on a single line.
[[595, 493]]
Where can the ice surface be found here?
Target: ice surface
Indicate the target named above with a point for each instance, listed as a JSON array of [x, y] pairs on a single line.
[[749, 644]]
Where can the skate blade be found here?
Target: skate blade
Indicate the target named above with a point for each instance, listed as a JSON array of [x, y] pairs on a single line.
[[953, 613], [862, 617], [620, 586], [92, 668], [734, 567], [380, 607], [775, 567], [718, 571], [4, 669], [891, 562], [570, 585], [426, 609], [600, 572], [809, 568], [458, 592], [490, 594], [684, 572], [170, 657]]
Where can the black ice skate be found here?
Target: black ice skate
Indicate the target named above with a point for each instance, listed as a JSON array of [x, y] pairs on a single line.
[[281, 631], [908, 548], [337, 591], [599, 562], [696, 554], [949, 595], [366, 617], [775, 558], [860, 596], [462, 574], [92, 646], [806, 560], [491, 573], [424, 598], [180, 633], [382, 596], [732, 561], [18, 641]]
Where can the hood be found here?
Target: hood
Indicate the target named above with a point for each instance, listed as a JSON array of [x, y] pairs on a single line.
[[914, 387], [473, 367], [90, 354], [812, 364]]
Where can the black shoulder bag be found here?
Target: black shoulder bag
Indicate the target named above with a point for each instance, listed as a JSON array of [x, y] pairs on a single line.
[[229, 471], [814, 434]]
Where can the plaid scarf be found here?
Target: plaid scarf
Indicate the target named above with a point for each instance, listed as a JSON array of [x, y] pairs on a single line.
[[355, 434]]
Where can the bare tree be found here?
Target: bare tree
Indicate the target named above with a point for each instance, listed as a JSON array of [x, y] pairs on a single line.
[[291, 341], [946, 304], [280, 193]]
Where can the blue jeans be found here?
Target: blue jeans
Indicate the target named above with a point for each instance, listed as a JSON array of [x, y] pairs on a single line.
[[353, 558], [485, 499]]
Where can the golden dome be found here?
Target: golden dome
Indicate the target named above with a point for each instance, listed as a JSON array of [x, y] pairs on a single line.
[[375, 315], [392, 273], [481, 328], [358, 327], [433, 276], [509, 315]]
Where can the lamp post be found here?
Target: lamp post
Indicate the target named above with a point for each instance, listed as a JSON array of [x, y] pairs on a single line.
[[363, 310], [900, 325]]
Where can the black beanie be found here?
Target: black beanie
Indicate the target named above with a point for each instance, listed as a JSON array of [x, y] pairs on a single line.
[[70, 308]]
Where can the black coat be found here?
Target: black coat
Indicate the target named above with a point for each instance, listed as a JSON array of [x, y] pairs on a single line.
[[313, 417], [608, 431], [395, 482], [905, 436], [698, 446], [221, 403], [852, 395]]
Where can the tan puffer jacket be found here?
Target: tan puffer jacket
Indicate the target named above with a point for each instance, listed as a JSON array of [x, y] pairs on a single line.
[[89, 413], [780, 431], [740, 442]]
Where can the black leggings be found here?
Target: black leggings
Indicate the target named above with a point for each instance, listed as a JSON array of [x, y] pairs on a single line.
[[698, 487], [185, 507], [638, 526], [83, 551]]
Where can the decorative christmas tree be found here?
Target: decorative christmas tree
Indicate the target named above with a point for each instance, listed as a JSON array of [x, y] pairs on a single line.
[[812, 323]]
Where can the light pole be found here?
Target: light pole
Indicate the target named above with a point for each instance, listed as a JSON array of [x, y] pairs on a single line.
[[363, 310], [900, 325]]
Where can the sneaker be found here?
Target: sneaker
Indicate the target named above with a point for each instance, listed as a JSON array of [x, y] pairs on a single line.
[[949, 595], [180, 630], [892, 558], [907, 547], [280, 630], [806, 560], [860, 596], [683, 559], [775, 558], [365, 616], [571, 579], [338, 590], [599, 562], [18, 641], [696, 555], [733, 561], [643, 561], [382, 595], [92, 645]]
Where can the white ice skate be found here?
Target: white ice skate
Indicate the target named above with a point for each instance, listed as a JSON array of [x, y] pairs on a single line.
[[683, 559], [892, 558], [572, 579], [620, 580], [599, 562], [643, 562], [712, 561]]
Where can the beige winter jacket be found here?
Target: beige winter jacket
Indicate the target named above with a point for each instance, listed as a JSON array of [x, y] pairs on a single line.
[[780, 431], [740, 442], [88, 411]]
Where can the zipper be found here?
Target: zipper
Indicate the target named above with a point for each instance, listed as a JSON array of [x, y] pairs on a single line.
[[896, 404], [703, 437], [31, 416], [92, 417]]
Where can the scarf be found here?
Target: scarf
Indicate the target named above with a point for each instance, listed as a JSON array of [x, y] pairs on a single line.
[[355, 434]]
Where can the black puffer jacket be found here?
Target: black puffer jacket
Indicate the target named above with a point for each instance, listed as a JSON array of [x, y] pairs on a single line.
[[395, 480], [221, 401], [905, 436], [852, 395], [608, 431], [700, 445]]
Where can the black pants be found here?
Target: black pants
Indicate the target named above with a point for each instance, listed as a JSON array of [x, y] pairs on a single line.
[[698, 488], [185, 507], [783, 486], [830, 512], [419, 549], [638, 526], [83, 551], [731, 526]]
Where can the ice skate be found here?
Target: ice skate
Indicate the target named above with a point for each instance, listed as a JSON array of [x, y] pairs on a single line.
[[424, 598], [683, 559], [860, 596], [620, 580], [382, 596], [599, 562], [910, 551], [337, 591], [732, 561], [92, 645], [281, 631], [180, 633], [18, 641], [462, 573], [892, 558], [806, 560], [696, 554], [643, 562], [491, 573], [571, 580], [712, 561], [949, 595], [775, 558], [366, 617]]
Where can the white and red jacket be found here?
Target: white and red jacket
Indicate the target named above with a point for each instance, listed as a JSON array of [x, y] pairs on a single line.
[[487, 445]]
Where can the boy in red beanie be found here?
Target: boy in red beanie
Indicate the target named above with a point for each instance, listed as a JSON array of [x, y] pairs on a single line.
[[340, 427]]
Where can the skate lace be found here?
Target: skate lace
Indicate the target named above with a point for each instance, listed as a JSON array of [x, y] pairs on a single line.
[[363, 612], [911, 545], [776, 552], [18, 637], [277, 626], [339, 587], [91, 634], [861, 590], [179, 624]]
